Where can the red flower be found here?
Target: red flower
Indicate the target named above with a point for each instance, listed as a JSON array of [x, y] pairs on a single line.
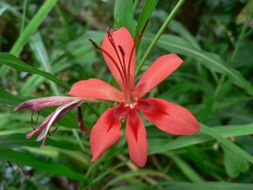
[[67, 104], [119, 53]]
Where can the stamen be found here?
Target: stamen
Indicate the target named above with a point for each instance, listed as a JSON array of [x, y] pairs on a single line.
[[101, 49], [141, 33], [95, 45], [135, 44], [127, 90], [123, 67]]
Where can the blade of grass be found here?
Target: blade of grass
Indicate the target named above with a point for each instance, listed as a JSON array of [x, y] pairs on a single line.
[[23, 16], [205, 186], [184, 33], [123, 14], [40, 53], [185, 167], [212, 61], [12, 61], [28, 32], [162, 145], [136, 2], [146, 12], [32, 27], [17, 139], [42, 165], [231, 146], [159, 33], [140, 172]]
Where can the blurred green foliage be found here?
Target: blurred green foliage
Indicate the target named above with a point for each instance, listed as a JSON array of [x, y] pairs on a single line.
[[45, 49]]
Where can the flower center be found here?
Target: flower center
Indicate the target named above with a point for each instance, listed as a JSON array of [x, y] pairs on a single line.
[[131, 105], [130, 101]]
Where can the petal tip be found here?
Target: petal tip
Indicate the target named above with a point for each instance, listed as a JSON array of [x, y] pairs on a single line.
[[19, 107], [140, 164], [94, 158], [29, 135]]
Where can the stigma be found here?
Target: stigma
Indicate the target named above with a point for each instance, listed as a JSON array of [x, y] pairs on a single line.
[[131, 105]]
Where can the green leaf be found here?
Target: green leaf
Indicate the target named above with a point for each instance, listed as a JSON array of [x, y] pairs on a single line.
[[179, 28], [32, 26], [212, 61], [28, 31], [41, 55], [75, 52], [185, 167], [12, 61], [234, 164], [189, 186], [3, 8], [146, 12], [206, 186], [123, 14], [141, 172], [18, 140], [228, 144], [8, 100], [39, 164], [163, 145]]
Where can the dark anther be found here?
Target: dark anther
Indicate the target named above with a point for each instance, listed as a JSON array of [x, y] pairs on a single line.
[[109, 30], [121, 50]]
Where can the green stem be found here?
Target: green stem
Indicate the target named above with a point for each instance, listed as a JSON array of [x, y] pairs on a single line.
[[23, 16], [78, 139], [136, 2], [159, 33]]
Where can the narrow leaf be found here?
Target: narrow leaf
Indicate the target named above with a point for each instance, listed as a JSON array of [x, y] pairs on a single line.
[[214, 62], [185, 167], [146, 12], [42, 165], [163, 145], [12, 61], [228, 144], [123, 14], [32, 26]]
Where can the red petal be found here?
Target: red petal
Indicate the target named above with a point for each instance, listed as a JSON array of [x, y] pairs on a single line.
[[168, 117], [156, 73], [40, 103], [39, 128], [59, 113], [136, 139], [105, 133], [96, 89], [124, 39]]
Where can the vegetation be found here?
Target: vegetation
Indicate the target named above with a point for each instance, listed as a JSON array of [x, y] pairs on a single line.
[[45, 49]]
